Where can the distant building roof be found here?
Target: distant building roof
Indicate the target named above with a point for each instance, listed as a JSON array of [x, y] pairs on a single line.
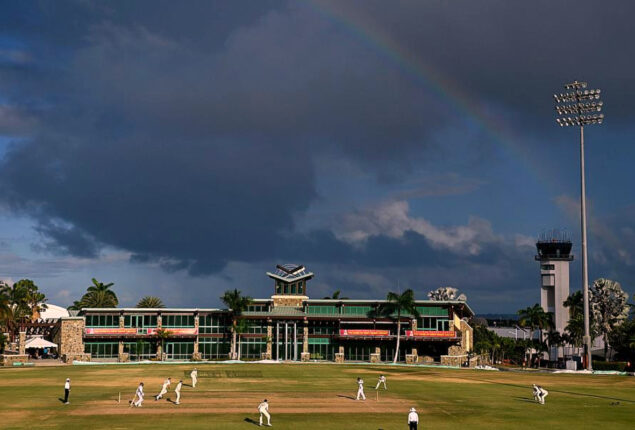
[[53, 312], [290, 273]]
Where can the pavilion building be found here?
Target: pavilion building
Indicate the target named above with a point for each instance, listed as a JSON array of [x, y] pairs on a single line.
[[287, 326]]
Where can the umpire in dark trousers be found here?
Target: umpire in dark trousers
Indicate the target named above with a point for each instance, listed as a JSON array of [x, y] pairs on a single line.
[[413, 419], [67, 390]]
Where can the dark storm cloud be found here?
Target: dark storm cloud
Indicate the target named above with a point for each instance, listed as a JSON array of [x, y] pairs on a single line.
[[187, 135]]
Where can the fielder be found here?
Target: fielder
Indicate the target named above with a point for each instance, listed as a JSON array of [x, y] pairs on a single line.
[[177, 391], [413, 419], [194, 376], [164, 388], [382, 380], [540, 394], [138, 396], [263, 408], [360, 389]]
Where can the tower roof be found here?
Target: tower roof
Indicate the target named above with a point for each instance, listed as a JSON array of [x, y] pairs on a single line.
[[290, 272]]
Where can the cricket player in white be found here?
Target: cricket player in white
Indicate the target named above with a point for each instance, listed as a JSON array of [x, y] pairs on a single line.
[[542, 393], [138, 396], [194, 376], [382, 380], [413, 419], [164, 389], [360, 389], [263, 408], [536, 392], [177, 390]]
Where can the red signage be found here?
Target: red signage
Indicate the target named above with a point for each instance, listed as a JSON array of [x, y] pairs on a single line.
[[430, 333], [363, 332], [111, 330], [177, 331]]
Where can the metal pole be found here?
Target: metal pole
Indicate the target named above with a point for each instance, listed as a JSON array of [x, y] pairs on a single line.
[[278, 340], [585, 268]]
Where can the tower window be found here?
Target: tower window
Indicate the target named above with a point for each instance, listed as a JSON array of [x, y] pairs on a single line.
[[548, 267], [548, 280]]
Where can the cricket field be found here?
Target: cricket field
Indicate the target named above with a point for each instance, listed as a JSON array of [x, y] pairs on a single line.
[[311, 396]]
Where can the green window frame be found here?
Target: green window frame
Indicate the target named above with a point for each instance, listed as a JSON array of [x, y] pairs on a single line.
[[322, 309], [433, 311], [102, 349], [356, 310], [102, 320], [177, 321]]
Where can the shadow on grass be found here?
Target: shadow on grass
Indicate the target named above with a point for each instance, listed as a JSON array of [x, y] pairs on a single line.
[[60, 399], [524, 399], [250, 421], [346, 397]]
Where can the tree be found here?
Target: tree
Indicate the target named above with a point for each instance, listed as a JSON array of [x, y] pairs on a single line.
[[336, 296], [151, 302], [98, 295], [396, 306], [446, 294], [241, 327], [534, 317], [237, 303], [609, 304], [20, 302], [162, 335]]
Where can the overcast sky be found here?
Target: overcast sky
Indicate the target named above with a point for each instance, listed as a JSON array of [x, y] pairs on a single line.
[[179, 150]]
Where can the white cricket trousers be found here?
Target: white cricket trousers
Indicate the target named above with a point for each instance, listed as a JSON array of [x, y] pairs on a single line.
[[194, 380], [163, 391], [360, 393], [138, 402], [379, 383], [266, 414], [178, 397]]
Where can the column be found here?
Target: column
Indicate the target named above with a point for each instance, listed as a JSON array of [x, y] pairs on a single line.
[[277, 340], [295, 341], [269, 354], [196, 355], [286, 340]]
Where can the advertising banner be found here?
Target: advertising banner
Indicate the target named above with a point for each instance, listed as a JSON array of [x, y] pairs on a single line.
[[430, 333], [111, 330], [363, 332], [176, 331]]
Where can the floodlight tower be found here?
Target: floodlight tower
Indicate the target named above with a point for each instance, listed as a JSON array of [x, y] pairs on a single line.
[[580, 107]]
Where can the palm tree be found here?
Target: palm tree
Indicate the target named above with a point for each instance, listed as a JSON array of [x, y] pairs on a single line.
[[236, 303], [162, 335], [399, 304], [241, 327], [105, 288], [336, 296], [99, 299], [534, 317], [150, 302]]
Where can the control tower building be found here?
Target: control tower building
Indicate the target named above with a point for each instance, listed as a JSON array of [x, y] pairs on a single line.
[[554, 255]]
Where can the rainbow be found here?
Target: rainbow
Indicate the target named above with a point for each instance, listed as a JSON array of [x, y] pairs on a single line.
[[446, 91]]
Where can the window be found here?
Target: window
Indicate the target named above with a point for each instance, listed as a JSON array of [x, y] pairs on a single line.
[[437, 311], [139, 350], [356, 310], [548, 280], [212, 348], [178, 321], [301, 287], [179, 350], [548, 267], [252, 347], [443, 325], [286, 288], [102, 320], [258, 308], [321, 329], [321, 349], [326, 309], [140, 321], [217, 323], [358, 352], [102, 349], [278, 287], [427, 323]]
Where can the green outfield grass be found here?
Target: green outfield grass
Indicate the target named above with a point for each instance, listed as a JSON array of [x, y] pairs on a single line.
[[312, 396]]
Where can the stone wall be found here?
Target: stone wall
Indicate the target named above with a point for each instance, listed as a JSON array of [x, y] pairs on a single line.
[[69, 338], [288, 301], [467, 336], [9, 359]]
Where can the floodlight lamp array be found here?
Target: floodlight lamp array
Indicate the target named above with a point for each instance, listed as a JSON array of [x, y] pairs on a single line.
[[579, 106]]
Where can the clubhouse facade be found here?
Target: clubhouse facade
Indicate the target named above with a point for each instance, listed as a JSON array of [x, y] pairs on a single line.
[[287, 326]]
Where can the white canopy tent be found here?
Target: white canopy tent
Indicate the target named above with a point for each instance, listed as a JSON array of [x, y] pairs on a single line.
[[39, 343]]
